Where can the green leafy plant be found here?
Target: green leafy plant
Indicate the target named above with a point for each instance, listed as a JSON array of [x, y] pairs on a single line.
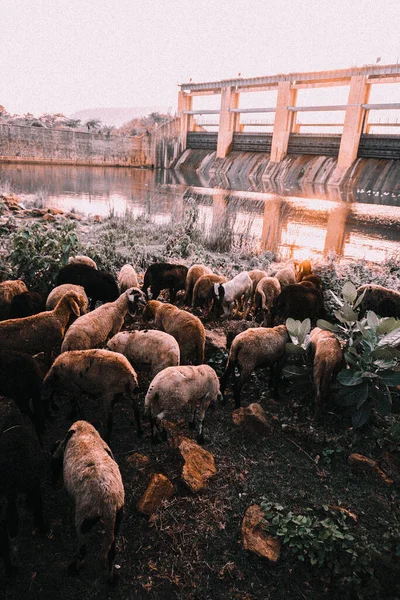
[[38, 252], [372, 359]]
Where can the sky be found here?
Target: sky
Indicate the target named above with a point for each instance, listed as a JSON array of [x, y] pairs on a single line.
[[68, 55]]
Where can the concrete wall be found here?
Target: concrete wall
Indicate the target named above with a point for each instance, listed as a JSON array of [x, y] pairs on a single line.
[[310, 173], [57, 146]]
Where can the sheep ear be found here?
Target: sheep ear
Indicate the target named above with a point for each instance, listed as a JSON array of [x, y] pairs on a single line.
[[75, 308]]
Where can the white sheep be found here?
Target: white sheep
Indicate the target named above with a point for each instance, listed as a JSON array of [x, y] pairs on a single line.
[[58, 292], [81, 259], [43, 332], [102, 374], [268, 288], [178, 388], [9, 289], [127, 278], [93, 480], [93, 329], [253, 348], [238, 290], [149, 347]]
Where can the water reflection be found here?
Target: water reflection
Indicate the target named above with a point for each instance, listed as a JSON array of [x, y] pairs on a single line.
[[297, 223]]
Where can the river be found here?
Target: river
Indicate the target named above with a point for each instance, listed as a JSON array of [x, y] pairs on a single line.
[[293, 222]]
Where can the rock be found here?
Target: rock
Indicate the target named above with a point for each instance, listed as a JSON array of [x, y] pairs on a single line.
[[255, 538], [175, 431], [253, 418], [199, 464], [138, 460], [48, 217], [159, 489], [74, 216], [367, 464], [97, 219], [55, 211], [215, 341], [38, 212]]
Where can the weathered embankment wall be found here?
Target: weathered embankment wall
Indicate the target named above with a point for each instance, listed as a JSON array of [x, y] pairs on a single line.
[[59, 146], [305, 171]]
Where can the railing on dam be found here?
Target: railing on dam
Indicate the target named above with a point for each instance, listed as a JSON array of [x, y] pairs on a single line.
[[286, 137]]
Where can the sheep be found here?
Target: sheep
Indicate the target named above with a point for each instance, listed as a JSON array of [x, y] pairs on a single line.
[[299, 302], [203, 291], [127, 278], [43, 332], [286, 276], [21, 380], [315, 280], [58, 292], [268, 288], [328, 358], [238, 290], [99, 285], [81, 259], [9, 289], [175, 388], [303, 270], [187, 329], [97, 373], [383, 301], [93, 329], [255, 348], [155, 348], [194, 273], [92, 478], [164, 275], [21, 472], [26, 304]]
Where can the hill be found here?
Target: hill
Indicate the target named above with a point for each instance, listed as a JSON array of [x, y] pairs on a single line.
[[117, 116]]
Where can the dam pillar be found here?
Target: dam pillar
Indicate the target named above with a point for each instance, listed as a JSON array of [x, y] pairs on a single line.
[[228, 121], [185, 102], [353, 121], [336, 229], [284, 120]]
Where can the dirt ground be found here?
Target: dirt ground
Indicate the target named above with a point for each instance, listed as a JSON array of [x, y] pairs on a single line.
[[191, 547]]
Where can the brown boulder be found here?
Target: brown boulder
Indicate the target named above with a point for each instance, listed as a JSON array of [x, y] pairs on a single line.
[[74, 216], [367, 464], [255, 538], [97, 218], [199, 464], [55, 211], [159, 489], [253, 418], [215, 341], [48, 217]]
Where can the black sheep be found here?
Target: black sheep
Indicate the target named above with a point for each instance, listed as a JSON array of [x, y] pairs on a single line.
[[21, 472], [26, 304], [298, 302], [21, 380], [383, 301], [98, 285], [160, 276]]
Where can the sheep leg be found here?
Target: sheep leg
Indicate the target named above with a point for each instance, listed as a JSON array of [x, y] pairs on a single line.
[[154, 436], [111, 551], [155, 292], [229, 369], [237, 386], [202, 414], [172, 294], [76, 564], [192, 424]]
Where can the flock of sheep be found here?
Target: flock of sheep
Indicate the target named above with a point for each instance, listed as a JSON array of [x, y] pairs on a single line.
[[66, 346]]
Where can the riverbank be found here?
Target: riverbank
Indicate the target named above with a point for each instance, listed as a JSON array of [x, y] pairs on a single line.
[[191, 547]]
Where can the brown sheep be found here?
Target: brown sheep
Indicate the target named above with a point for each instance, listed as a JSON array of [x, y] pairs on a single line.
[[9, 289], [328, 358], [383, 301], [187, 329], [268, 288], [92, 478], [255, 348], [203, 291], [43, 332], [194, 273], [303, 270]]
